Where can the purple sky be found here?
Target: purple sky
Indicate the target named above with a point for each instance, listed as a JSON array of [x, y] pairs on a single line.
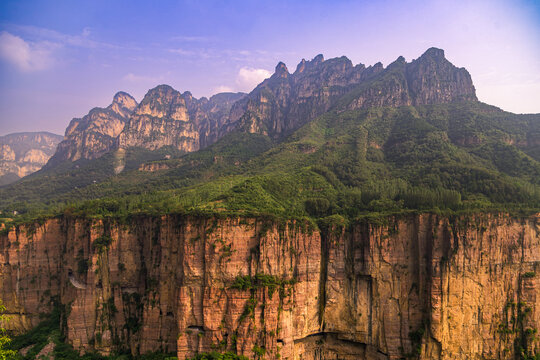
[[58, 59]]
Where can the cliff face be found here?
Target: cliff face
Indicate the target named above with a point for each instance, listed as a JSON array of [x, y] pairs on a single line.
[[209, 115], [166, 117], [161, 119], [427, 286], [24, 153], [286, 101], [95, 134]]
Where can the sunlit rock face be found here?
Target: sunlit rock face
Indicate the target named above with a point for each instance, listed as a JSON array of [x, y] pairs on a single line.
[[161, 119], [165, 117], [24, 153], [96, 133], [421, 286]]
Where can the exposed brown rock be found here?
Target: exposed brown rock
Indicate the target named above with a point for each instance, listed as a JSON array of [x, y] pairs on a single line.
[[276, 107], [95, 134], [442, 288], [151, 167], [161, 119], [284, 102]]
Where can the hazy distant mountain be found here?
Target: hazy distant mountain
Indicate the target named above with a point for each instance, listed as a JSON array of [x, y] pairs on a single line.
[[24, 153]]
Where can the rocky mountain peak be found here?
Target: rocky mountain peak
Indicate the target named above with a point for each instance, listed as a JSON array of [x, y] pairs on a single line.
[[191, 102], [433, 79], [312, 64], [281, 70], [123, 104], [163, 102], [399, 62], [124, 99], [319, 59], [24, 153], [159, 91], [433, 53], [300, 67]]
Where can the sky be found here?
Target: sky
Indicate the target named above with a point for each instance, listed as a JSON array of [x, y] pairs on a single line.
[[59, 59]]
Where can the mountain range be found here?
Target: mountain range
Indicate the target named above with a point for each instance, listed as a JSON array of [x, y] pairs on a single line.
[[336, 212], [276, 107], [414, 126]]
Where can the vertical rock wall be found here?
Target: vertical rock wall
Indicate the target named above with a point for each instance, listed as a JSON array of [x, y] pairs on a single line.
[[420, 286]]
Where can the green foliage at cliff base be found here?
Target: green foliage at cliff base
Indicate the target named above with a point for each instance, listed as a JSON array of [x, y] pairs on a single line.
[[48, 331]]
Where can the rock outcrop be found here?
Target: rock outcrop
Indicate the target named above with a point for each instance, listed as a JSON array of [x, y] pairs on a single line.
[[24, 153], [285, 101], [95, 134], [161, 119], [209, 115], [421, 286]]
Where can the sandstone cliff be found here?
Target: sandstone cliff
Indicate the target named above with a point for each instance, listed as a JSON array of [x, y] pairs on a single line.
[[95, 134], [161, 119], [424, 286], [24, 153]]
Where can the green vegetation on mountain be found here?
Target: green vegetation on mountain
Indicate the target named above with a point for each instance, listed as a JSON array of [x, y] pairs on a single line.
[[454, 157]]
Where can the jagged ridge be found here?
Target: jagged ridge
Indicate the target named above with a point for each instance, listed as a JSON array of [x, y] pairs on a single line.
[[276, 107]]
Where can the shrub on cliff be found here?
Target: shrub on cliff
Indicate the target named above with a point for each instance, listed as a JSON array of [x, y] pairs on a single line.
[[218, 356], [5, 340]]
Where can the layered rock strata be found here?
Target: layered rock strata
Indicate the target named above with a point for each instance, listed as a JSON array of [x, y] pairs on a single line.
[[421, 286]]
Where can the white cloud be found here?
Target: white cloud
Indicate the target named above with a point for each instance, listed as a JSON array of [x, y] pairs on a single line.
[[132, 78], [248, 78], [27, 56]]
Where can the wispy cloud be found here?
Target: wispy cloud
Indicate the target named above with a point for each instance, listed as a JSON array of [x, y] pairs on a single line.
[[187, 38], [133, 78], [182, 52], [83, 40], [222, 89], [25, 55]]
